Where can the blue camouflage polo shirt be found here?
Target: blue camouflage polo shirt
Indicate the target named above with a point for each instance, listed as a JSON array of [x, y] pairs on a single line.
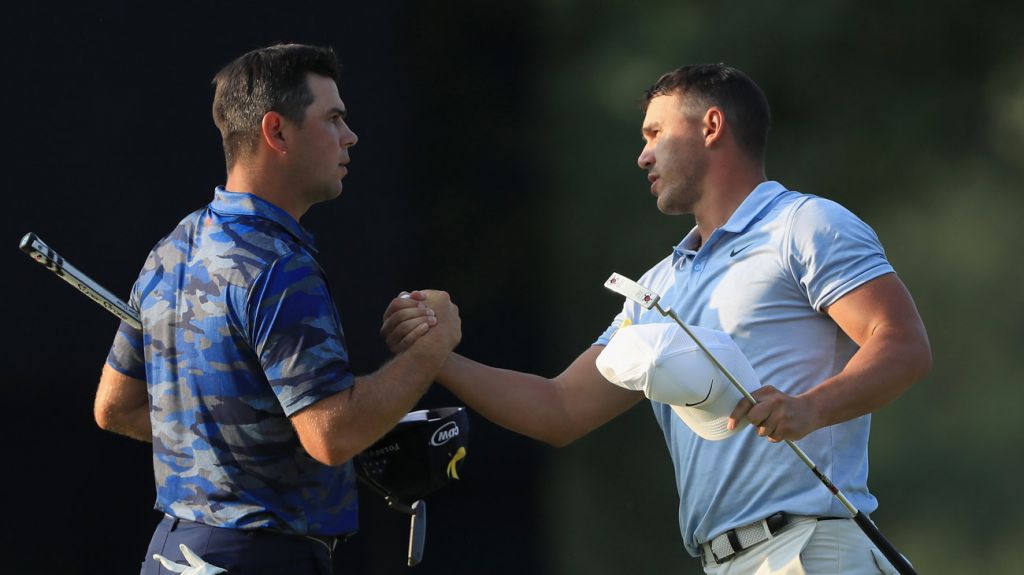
[[239, 333]]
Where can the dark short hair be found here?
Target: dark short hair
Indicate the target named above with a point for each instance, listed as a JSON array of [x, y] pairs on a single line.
[[270, 79], [706, 85]]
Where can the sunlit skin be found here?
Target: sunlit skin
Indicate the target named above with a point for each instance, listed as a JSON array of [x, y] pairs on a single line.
[[674, 155], [695, 166], [693, 162]]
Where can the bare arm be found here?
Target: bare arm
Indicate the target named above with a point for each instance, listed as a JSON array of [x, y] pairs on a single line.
[[881, 318], [336, 428], [557, 411], [122, 405]]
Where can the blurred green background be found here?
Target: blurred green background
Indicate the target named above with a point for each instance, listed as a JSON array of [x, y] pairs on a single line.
[[497, 160]]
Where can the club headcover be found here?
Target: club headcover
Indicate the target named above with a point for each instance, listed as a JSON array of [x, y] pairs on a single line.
[[421, 454]]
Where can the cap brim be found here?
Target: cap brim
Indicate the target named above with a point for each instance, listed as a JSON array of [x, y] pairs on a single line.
[[710, 418]]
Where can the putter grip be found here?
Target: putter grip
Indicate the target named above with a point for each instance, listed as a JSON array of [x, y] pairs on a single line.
[[899, 562]]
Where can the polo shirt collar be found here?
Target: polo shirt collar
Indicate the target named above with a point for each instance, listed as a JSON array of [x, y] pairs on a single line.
[[753, 205], [755, 202], [244, 204]]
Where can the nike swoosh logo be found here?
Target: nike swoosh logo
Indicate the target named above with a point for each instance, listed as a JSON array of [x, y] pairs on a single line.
[[711, 386], [733, 253]]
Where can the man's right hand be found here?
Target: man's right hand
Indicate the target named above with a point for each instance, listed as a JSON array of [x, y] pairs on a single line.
[[336, 428], [412, 316]]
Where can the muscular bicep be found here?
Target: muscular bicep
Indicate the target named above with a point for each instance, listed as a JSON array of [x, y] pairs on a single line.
[[588, 398], [880, 305], [881, 318]]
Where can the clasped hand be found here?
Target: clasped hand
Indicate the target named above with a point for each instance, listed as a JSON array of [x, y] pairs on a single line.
[[411, 315]]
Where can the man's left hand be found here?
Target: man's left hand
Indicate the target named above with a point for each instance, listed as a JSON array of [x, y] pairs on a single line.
[[776, 416]]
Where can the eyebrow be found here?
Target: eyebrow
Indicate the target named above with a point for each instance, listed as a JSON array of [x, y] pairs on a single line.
[[339, 111], [648, 128]]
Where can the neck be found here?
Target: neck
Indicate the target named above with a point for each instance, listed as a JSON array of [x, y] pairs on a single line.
[[724, 191], [263, 184]]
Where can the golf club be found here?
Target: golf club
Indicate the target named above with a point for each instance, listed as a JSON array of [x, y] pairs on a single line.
[[647, 299], [42, 253]]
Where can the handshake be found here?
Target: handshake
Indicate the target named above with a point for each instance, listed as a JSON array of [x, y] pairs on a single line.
[[422, 319]]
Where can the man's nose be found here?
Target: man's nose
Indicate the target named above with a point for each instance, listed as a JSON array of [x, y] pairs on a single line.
[[349, 138], [646, 159]]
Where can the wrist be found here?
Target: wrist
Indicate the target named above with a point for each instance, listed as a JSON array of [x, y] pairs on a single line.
[[816, 408]]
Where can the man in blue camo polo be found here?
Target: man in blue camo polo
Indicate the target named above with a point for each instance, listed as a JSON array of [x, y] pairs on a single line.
[[240, 374]]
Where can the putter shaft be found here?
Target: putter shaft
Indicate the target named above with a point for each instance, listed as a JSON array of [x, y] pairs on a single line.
[[650, 300], [667, 312]]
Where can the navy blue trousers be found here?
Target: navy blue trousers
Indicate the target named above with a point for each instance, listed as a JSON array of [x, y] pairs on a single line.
[[241, 552]]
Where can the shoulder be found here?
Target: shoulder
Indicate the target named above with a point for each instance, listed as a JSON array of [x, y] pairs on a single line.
[[293, 274], [814, 223], [292, 266], [808, 211], [246, 248]]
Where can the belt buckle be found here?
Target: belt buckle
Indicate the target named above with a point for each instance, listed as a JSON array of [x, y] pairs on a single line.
[[725, 558], [771, 525], [709, 549]]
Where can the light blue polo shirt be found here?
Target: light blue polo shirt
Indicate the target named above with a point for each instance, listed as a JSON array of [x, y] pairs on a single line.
[[764, 277]]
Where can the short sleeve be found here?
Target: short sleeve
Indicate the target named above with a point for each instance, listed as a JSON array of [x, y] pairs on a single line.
[[296, 332], [126, 353], [629, 312], [831, 251]]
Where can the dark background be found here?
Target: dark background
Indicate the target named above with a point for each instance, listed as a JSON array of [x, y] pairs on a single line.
[[496, 160]]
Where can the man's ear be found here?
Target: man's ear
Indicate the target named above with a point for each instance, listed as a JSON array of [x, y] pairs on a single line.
[[272, 130], [713, 125]]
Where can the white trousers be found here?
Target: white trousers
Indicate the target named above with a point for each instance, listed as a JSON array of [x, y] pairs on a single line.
[[810, 547]]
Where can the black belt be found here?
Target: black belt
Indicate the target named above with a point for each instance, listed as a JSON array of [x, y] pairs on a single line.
[[724, 547], [328, 541]]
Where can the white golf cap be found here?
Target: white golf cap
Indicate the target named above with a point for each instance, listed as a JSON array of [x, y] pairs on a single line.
[[663, 362]]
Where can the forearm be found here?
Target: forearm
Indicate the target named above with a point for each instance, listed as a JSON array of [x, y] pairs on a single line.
[[525, 403], [554, 410], [336, 428], [888, 363], [135, 424], [557, 411], [122, 405], [376, 402]]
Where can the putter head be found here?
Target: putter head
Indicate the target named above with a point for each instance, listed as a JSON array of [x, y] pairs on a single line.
[[417, 533], [632, 291]]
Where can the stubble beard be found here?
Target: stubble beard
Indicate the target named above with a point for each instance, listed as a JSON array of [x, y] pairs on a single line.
[[684, 195]]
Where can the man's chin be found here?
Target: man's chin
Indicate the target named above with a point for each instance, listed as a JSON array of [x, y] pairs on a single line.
[[327, 194], [333, 192], [668, 208], [674, 206]]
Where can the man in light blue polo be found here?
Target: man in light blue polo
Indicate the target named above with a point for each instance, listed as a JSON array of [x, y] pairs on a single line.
[[804, 289]]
